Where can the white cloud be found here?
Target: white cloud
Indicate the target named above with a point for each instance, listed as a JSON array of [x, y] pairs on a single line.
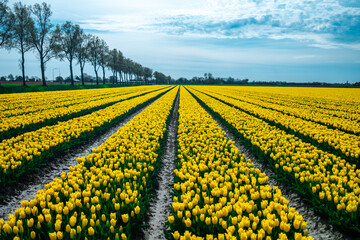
[[310, 21], [241, 38], [304, 56], [315, 20], [324, 46]]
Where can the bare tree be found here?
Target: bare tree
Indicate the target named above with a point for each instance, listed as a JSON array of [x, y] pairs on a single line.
[[129, 68], [121, 66], [161, 78], [42, 36], [6, 22], [67, 42], [147, 74], [94, 54], [82, 53], [103, 57], [138, 71], [21, 33], [112, 63]]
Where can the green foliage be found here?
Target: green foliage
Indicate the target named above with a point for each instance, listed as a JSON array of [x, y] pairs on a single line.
[[18, 88]]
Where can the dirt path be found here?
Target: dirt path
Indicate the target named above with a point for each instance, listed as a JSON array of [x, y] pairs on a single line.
[[319, 228], [159, 207], [29, 184]]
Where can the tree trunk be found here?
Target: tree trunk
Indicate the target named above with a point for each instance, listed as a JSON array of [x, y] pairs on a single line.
[[121, 77], [103, 69], [23, 66], [71, 73], [82, 74], [97, 76], [42, 65]]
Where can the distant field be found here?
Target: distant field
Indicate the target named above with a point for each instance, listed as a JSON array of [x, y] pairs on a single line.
[[16, 87], [308, 139]]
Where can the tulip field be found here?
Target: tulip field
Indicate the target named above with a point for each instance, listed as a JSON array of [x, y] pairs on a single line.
[[308, 137], [21, 153]]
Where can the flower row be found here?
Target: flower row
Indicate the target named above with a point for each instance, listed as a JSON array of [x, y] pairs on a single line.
[[23, 103], [322, 105], [336, 141], [329, 182], [21, 153], [322, 116], [217, 193], [12, 126], [104, 196], [338, 99], [335, 102]]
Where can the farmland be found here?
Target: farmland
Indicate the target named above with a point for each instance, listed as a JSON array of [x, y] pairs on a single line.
[[188, 162]]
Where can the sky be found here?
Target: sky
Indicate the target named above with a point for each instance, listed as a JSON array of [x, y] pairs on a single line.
[[261, 40]]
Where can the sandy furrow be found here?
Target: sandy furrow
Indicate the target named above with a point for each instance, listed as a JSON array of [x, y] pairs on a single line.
[[159, 207]]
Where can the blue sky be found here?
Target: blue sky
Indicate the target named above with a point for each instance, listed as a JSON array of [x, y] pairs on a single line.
[[262, 40]]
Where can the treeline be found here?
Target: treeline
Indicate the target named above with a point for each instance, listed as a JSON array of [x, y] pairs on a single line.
[[303, 84], [29, 28], [208, 79]]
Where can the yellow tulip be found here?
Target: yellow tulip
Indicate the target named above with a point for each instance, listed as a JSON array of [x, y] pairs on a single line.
[[188, 222], [52, 236], [171, 219], [176, 235], [91, 231], [33, 235], [137, 210], [125, 218], [72, 221], [59, 235], [123, 236], [208, 221]]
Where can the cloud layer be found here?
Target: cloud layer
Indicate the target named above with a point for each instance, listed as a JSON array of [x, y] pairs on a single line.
[[325, 24], [263, 40]]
